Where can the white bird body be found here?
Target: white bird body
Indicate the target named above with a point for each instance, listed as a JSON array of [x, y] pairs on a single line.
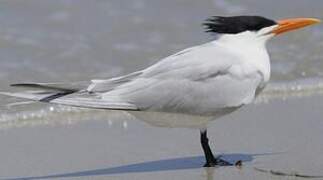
[[205, 80]]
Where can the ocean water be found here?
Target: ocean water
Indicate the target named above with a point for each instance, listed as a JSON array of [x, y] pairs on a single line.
[[73, 41]]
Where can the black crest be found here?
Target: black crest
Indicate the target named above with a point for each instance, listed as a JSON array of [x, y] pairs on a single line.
[[236, 24]]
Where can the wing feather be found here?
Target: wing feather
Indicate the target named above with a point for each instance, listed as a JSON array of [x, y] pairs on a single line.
[[107, 85], [76, 99]]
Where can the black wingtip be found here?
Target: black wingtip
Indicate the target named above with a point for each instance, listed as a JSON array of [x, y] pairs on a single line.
[[55, 96], [43, 86], [21, 84]]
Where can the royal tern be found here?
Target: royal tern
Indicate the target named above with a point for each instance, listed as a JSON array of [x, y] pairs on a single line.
[[201, 83]]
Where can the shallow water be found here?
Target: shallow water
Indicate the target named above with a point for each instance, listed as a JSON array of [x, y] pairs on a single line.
[[65, 41]]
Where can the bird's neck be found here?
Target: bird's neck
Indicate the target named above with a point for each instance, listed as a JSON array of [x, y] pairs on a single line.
[[251, 49], [246, 39]]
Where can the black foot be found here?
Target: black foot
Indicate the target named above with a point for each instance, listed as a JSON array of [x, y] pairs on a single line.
[[211, 161], [218, 162], [238, 163]]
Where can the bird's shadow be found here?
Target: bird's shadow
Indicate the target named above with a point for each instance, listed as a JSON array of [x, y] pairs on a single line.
[[151, 166]]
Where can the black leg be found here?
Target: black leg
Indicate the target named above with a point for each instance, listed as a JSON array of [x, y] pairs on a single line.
[[210, 160], [209, 157]]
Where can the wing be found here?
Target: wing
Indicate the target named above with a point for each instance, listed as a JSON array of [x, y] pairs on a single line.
[[202, 80], [67, 86], [194, 63], [64, 94], [203, 97], [107, 85], [77, 99], [181, 64]]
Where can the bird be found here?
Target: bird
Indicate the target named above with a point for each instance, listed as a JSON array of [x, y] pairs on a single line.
[[190, 88]]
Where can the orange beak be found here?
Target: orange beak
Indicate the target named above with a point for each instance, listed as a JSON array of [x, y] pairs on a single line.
[[286, 25]]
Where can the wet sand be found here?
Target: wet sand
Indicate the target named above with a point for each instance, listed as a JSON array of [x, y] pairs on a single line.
[[281, 136]]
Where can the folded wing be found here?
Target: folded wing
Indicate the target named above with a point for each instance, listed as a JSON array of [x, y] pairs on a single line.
[[65, 96]]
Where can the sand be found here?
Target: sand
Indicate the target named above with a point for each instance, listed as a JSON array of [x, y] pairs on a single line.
[[283, 135]]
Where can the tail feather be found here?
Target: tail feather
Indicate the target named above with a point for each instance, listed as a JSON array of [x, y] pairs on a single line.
[[68, 96], [44, 86], [55, 96]]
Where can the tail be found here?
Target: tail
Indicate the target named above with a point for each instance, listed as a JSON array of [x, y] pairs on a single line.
[[45, 92], [45, 86], [52, 93]]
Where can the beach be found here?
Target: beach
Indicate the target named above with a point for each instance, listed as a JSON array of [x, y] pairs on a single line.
[[284, 136], [75, 42]]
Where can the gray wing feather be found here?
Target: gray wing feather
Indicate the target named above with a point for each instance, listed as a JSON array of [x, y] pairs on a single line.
[[72, 86], [75, 99], [107, 85]]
